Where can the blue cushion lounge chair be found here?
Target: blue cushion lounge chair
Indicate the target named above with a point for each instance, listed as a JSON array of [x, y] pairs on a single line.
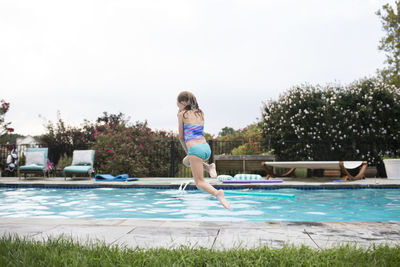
[[36, 162], [82, 163]]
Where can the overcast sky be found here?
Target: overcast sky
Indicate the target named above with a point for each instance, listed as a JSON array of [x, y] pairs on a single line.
[[84, 57]]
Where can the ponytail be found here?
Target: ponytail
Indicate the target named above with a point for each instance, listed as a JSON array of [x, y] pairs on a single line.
[[191, 102]]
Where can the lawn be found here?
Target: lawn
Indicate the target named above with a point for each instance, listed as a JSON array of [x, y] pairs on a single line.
[[16, 251]]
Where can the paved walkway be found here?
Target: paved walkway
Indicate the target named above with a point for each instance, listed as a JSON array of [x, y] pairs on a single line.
[[175, 182], [214, 235]]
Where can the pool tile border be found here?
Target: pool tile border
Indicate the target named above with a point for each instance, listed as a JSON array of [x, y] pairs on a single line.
[[174, 183], [192, 187]]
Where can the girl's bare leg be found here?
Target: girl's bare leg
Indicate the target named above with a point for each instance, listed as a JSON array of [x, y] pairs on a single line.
[[210, 168], [197, 170], [186, 161]]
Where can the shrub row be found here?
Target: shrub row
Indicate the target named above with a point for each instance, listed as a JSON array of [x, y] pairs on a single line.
[[360, 121]]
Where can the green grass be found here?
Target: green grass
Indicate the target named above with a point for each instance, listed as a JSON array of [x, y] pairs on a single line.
[[15, 251]]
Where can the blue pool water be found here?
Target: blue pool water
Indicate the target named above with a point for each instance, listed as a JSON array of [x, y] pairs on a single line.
[[171, 204]]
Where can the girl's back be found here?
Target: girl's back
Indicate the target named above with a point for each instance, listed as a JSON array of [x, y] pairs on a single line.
[[192, 117]]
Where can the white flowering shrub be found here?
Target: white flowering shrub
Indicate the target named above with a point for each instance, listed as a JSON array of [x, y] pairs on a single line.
[[360, 121]]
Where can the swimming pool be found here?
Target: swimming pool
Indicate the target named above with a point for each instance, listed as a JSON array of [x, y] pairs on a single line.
[[171, 204]]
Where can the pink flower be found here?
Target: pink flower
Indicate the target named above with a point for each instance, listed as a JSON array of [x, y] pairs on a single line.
[[113, 156], [140, 145], [109, 150]]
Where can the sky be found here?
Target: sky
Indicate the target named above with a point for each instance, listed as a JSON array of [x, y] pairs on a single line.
[[81, 58]]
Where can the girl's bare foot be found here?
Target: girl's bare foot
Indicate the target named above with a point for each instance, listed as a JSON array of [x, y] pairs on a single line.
[[221, 197], [211, 170]]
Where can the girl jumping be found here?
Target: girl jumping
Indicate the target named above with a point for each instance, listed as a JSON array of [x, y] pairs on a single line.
[[191, 135]]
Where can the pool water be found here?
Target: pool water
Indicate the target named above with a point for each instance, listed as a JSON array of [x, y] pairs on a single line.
[[171, 204]]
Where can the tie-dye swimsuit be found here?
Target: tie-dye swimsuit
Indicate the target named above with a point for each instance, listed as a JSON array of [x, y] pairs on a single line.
[[194, 132]]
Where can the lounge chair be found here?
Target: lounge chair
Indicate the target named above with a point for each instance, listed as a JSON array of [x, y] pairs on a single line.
[[36, 162], [82, 163], [344, 166]]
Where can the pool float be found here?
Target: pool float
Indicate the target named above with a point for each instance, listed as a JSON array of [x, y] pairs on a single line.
[[251, 181], [119, 178], [245, 178], [246, 193]]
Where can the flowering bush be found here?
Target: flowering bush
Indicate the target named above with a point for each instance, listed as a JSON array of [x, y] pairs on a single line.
[[135, 150], [4, 125], [356, 122]]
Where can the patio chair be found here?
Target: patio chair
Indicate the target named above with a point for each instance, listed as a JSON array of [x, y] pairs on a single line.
[[82, 163], [36, 162]]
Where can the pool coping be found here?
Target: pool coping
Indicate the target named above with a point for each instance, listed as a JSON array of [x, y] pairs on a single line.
[[172, 234], [170, 183]]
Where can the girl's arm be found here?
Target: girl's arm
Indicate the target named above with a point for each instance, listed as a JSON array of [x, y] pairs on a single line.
[[181, 134]]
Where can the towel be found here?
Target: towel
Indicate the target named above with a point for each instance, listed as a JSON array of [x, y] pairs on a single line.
[[109, 177]]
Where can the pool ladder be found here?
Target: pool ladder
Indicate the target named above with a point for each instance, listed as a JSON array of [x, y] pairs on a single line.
[[184, 184]]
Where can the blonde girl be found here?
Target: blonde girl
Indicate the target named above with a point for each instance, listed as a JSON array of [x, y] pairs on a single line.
[[191, 135]]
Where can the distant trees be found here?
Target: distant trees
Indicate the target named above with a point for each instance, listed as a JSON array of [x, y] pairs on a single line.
[[390, 43], [62, 139], [10, 138], [246, 141], [226, 131]]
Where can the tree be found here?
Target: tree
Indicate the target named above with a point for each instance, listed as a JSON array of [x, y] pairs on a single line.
[[4, 126], [226, 131], [390, 43], [62, 139], [10, 138]]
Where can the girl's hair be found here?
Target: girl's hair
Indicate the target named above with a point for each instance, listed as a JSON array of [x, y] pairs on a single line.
[[191, 102]]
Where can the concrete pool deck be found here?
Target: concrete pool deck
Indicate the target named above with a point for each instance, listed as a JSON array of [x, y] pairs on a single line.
[[213, 235]]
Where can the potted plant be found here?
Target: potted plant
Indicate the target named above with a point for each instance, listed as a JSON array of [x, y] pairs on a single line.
[[392, 167]]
